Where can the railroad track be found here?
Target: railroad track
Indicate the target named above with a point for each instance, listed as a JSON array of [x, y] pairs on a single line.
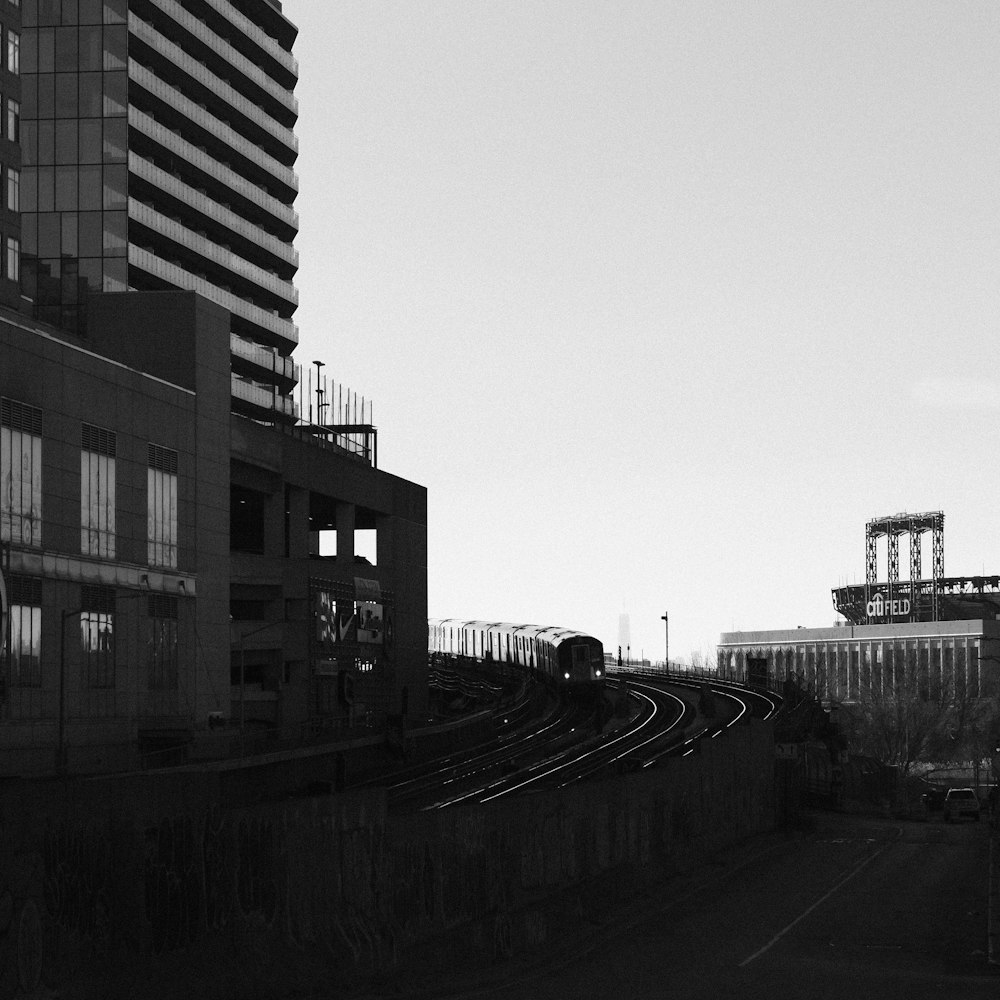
[[667, 717]]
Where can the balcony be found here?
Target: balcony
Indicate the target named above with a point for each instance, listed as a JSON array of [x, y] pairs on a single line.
[[189, 111], [262, 402], [202, 205], [202, 161], [235, 268], [212, 84], [200, 30], [177, 277], [264, 363], [260, 37]]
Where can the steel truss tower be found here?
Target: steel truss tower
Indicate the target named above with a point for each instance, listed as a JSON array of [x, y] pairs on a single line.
[[892, 527]]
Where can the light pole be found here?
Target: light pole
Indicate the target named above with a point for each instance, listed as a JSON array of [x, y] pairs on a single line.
[[243, 680], [60, 738], [68, 613], [320, 393], [666, 641]]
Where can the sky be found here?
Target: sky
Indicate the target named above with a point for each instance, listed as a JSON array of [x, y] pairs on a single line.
[[661, 301]]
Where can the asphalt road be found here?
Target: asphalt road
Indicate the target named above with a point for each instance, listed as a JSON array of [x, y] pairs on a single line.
[[859, 909]]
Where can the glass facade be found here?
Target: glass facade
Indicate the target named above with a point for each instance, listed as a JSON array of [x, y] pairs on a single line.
[[20, 473], [74, 180], [97, 492], [161, 510], [25, 649], [97, 636]]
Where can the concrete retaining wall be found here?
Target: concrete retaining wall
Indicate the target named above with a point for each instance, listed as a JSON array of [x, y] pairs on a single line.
[[150, 882]]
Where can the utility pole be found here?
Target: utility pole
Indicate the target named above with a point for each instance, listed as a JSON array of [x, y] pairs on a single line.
[[666, 641]]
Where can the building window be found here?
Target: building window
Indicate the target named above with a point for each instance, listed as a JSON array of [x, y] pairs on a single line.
[[161, 511], [20, 473], [162, 644], [97, 492], [14, 189], [13, 258], [97, 636], [25, 668], [13, 51], [13, 120]]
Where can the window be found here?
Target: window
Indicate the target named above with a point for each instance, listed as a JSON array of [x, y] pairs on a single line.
[[13, 51], [13, 258], [162, 644], [13, 120], [25, 669], [14, 189], [97, 636], [97, 492], [161, 510], [20, 473]]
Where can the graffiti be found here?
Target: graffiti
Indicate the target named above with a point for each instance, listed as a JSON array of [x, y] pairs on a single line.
[[21, 937], [77, 886], [256, 885], [218, 868], [172, 883], [29, 947]]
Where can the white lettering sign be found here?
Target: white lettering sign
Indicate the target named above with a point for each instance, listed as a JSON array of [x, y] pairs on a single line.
[[879, 607]]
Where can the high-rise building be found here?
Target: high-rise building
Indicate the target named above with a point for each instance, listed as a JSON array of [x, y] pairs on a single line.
[[190, 569], [158, 153]]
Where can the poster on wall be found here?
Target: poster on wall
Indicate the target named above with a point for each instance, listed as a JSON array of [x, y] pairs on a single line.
[[370, 622], [326, 619]]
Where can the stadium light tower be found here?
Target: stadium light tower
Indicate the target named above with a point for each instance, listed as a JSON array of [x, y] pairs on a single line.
[[666, 641]]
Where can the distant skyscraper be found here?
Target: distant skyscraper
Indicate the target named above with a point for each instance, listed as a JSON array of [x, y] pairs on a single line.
[[624, 631], [158, 153]]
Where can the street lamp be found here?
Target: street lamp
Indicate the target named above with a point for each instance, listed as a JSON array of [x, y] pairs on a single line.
[[61, 737], [666, 641]]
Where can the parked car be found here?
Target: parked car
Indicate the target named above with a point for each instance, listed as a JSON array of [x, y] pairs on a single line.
[[961, 802]]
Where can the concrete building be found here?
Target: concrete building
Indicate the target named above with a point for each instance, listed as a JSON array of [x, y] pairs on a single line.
[[188, 564], [838, 664], [158, 152], [178, 574]]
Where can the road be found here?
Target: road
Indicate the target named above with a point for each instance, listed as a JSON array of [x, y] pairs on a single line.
[[858, 908]]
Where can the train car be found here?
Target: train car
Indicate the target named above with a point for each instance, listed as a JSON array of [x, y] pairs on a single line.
[[564, 658]]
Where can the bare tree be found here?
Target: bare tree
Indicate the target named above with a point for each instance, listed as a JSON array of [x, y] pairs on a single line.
[[910, 719]]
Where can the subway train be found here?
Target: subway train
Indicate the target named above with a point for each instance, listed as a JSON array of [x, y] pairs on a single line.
[[565, 659]]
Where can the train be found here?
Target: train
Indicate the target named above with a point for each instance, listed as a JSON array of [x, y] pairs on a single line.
[[567, 660]]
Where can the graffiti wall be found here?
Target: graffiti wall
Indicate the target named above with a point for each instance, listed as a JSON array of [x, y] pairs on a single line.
[[107, 884]]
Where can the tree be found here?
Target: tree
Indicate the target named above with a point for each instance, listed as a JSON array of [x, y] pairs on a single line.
[[908, 720]]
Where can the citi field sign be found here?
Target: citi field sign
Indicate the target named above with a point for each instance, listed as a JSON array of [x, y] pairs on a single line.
[[879, 607]]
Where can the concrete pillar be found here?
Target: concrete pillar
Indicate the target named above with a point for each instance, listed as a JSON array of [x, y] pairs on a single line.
[[345, 532], [298, 522]]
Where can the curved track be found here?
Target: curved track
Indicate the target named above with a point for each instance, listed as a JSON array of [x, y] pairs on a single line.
[[666, 715]]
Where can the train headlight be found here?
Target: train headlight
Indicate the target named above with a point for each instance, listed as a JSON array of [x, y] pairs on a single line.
[[566, 675], [597, 673]]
